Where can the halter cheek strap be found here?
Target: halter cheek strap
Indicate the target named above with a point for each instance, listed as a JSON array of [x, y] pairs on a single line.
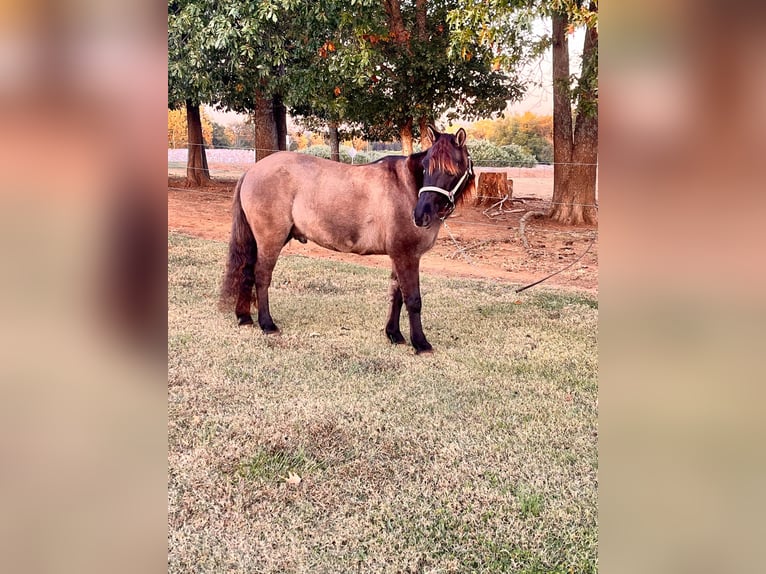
[[450, 194]]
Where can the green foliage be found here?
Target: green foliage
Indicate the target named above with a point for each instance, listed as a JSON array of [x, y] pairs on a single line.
[[503, 25], [188, 66], [416, 79], [222, 136], [322, 151], [519, 156], [541, 149], [531, 503], [276, 463], [486, 153], [331, 61], [529, 131], [224, 51]]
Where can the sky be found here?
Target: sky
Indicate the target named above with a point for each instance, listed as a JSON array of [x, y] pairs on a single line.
[[224, 118], [539, 95]]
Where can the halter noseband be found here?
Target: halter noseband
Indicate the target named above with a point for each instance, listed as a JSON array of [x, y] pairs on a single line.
[[450, 194]]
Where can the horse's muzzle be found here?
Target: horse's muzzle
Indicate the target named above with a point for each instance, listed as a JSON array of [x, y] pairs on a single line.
[[423, 219], [424, 213]]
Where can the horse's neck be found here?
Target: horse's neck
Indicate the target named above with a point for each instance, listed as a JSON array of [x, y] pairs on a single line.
[[414, 165]]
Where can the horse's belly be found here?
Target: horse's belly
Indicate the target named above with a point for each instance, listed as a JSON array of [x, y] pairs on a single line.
[[341, 234], [361, 249], [348, 244]]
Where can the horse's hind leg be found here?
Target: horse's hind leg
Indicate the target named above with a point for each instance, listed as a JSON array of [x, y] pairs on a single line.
[[264, 267], [393, 331], [245, 295]]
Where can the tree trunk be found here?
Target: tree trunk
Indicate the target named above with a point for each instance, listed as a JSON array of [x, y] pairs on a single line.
[[578, 208], [397, 30], [575, 151], [492, 187], [265, 128], [280, 117], [197, 171], [334, 141], [420, 20], [406, 135], [562, 110], [585, 151], [425, 141]]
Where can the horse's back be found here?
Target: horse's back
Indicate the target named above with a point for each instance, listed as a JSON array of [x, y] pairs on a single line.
[[277, 168], [290, 172]]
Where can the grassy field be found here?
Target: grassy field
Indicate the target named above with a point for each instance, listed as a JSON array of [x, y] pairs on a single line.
[[481, 457]]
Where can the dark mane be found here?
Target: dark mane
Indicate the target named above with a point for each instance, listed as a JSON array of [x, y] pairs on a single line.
[[441, 156]]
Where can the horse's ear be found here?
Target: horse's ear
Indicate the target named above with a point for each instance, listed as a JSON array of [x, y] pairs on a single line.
[[460, 137], [432, 133]]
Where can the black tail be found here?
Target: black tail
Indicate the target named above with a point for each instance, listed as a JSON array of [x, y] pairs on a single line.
[[237, 286]]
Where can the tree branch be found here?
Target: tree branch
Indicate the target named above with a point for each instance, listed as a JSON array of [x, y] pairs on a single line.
[[523, 224]]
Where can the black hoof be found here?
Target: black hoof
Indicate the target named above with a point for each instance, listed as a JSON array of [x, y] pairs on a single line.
[[270, 329], [243, 320], [396, 338], [424, 349]]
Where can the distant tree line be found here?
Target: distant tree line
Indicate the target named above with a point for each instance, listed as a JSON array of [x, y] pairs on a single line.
[[530, 132]]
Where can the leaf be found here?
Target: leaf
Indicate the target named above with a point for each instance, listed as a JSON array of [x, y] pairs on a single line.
[[292, 479]]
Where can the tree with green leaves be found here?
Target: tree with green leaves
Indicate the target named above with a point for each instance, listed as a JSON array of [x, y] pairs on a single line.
[[250, 50], [189, 81], [530, 131], [382, 67], [332, 64], [231, 54], [575, 96], [417, 80], [386, 72]]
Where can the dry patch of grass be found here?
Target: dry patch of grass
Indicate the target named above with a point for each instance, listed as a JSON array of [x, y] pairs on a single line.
[[481, 457]]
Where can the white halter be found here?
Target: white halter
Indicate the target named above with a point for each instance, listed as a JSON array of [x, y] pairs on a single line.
[[450, 194]]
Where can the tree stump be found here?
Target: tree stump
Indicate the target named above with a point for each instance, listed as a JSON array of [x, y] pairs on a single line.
[[492, 187]]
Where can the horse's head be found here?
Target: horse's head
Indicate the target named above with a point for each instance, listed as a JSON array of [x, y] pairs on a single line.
[[447, 174]]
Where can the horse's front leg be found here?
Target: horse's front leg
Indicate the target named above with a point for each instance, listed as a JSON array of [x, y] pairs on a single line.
[[408, 274], [393, 331]]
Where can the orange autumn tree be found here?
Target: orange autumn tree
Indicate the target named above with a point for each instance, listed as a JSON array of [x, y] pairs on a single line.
[[178, 129]]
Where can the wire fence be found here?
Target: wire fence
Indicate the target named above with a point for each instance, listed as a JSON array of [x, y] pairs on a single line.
[[537, 201], [226, 154]]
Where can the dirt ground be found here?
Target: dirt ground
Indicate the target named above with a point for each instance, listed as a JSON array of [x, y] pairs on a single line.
[[473, 244]]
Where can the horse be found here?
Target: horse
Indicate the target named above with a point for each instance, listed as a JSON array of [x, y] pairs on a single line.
[[392, 206]]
